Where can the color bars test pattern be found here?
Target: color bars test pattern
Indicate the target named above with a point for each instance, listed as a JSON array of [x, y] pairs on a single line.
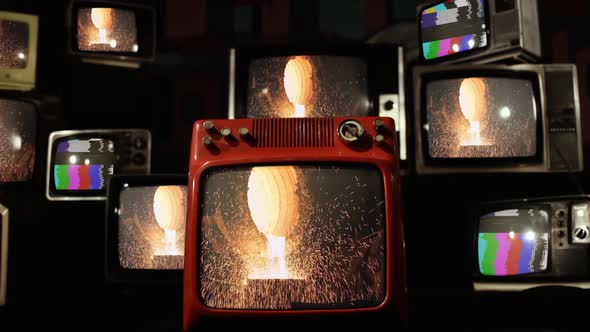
[[513, 241], [452, 27], [80, 177]]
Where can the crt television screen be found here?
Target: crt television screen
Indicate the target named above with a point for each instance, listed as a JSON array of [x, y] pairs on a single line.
[[14, 44], [18, 131], [292, 237], [481, 117], [107, 30], [452, 27], [151, 227], [83, 164], [307, 86], [513, 242]]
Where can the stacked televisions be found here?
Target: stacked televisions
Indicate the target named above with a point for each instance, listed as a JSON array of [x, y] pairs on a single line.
[[303, 143], [319, 81], [294, 217], [507, 117]]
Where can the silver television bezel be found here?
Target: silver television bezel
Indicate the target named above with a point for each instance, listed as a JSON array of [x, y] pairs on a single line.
[[64, 133]]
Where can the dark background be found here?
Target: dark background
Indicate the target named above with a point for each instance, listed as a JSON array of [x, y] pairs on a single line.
[[56, 255]]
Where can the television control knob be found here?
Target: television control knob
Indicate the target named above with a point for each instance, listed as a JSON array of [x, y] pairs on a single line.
[[245, 134], [208, 141], [139, 143], [139, 159], [560, 213], [560, 234], [581, 233], [379, 138], [351, 130], [208, 125], [388, 105], [225, 132], [378, 123]]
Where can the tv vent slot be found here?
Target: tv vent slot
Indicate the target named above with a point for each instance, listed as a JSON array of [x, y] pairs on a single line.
[[294, 133]]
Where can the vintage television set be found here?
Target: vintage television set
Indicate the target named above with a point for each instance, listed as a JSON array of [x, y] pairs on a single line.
[[145, 228], [272, 81], [479, 31], [3, 252], [528, 243], [80, 162], [496, 118], [112, 32], [18, 50], [294, 217]]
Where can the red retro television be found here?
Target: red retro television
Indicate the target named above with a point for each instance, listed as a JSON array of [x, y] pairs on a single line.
[[297, 218]]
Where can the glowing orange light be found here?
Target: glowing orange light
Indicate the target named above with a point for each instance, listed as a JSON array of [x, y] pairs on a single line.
[[298, 83], [102, 18], [473, 102], [170, 218], [274, 207]]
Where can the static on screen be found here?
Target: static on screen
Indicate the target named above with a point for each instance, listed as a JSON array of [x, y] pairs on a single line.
[[307, 86], [14, 44], [151, 227], [107, 30], [18, 132], [292, 237], [481, 117]]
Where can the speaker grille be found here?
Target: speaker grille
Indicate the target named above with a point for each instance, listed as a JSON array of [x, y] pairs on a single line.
[[293, 133]]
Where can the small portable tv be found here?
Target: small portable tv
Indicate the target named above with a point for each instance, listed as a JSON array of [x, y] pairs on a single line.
[[3, 252], [18, 50], [80, 162], [112, 32], [18, 139], [294, 217], [479, 31], [319, 81], [145, 228], [530, 243], [496, 118]]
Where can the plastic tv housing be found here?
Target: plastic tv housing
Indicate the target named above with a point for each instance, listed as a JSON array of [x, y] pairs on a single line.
[[145, 228], [80, 162], [529, 243], [272, 81], [3, 252], [18, 50], [479, 31], [112, 32], [496, 118], [295, 217]]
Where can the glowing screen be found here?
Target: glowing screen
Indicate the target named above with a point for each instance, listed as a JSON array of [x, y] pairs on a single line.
[[14, 44], [481, 117], [107, 30], [18, 132], [83, 164], [452, 27], [292, 237], [151, 227], [512, 242], [307, 86]]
